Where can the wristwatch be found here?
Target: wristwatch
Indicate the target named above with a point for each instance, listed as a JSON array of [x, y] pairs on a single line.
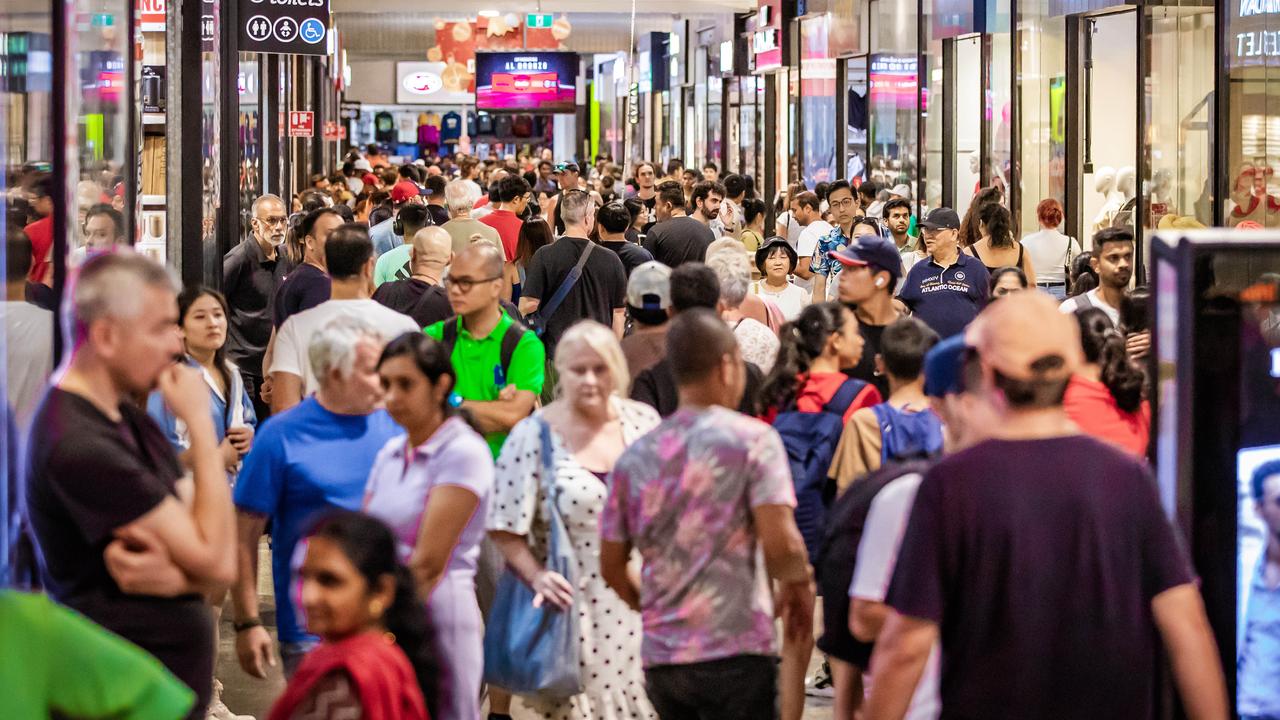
[[243, 625]]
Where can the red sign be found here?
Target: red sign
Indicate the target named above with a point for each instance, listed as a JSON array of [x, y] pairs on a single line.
[[302, 123], [342, 132], [330, 130], [151, 13]]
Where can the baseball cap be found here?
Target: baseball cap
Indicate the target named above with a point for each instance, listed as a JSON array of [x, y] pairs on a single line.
[[404, 190], [871, 250], [1026, 337], [363, 164], [369, 179], [902, 190], [570, 166], [942, 218], [649, 287], [944, 367]]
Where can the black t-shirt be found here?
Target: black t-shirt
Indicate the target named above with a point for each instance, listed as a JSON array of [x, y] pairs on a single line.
[[427, 304], [302, 289], [439, 214], [865, 370], [631, 255], [1040, 582], [656, 387], [678, 240], [601, 289], [88, 477], [249, 280]]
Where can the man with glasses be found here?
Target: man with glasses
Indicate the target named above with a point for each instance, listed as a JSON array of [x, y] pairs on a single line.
[[845, 211], [251, 274], [498, 363], [513, 198], [949, 287]]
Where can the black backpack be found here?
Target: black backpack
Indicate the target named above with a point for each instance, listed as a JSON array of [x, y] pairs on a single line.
[[839, 553], [510, 339]]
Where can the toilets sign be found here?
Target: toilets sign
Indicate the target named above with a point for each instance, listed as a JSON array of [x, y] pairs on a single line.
[[290, 27]]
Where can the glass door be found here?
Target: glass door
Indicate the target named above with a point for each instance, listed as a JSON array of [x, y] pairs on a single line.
[[967, 96], [1108, 102], [856, 116]]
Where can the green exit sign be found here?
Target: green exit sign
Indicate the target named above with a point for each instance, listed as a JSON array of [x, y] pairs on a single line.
[[538, 21]]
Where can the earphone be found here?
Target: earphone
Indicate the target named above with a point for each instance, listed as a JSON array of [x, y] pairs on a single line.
[[879, 282]]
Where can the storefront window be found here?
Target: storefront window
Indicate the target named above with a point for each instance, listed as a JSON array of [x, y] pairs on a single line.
[[1042, 42], [1110, 107], [999, 113], [856, 115], [1253, 123], [931, 113], [968, 126], [817, 102], [747, 125], [1179, 116], [894, 83], [715, 118]]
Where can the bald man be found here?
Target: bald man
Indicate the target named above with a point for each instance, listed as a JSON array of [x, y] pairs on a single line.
[[421, 295]]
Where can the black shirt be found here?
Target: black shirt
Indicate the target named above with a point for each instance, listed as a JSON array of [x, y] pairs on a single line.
[[249, 281], [427, 304], [678, 240], [42, 296], [88, 477], [601, 289], [304, 288], [439, 214], [656, 387], [1038, 560], [631, 255], [865, 370]]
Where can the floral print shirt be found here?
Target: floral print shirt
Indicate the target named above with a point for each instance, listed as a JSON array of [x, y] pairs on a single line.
[[682, 496], [822, 262]]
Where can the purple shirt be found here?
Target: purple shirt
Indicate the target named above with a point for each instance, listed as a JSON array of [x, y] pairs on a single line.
[[682, 495], [398, 488]]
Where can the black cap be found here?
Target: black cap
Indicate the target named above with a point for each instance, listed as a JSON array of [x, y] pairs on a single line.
[[943, 218], [570, 166]]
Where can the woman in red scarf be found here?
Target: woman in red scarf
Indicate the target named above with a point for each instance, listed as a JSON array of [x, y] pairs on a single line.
[[374, 661]]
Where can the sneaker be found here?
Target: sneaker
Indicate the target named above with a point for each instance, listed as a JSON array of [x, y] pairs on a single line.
[[218, 710], [820, 684]]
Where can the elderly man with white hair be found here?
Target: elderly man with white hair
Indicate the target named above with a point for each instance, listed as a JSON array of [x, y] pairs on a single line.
[[460, 197], [312, 458]]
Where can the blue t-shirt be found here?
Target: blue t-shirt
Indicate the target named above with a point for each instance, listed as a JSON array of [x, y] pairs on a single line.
[[306, 461], [946, 299], [450, 127], [384, 237]]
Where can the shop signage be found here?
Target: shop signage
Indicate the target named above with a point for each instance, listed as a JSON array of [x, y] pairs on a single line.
[[633, 104], [766, 36], [302, 124], [290, 27], [538, 21], [1259, 7], [1257, 42], [425, 83], [151, 15], [726, 57], [330, 130], [342, 132]]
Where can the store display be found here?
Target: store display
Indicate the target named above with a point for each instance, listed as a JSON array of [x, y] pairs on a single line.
[[153, 88]]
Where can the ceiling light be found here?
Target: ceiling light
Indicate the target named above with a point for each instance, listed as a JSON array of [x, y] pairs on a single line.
[[489, 13]]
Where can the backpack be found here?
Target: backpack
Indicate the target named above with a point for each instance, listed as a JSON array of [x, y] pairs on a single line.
[[908, 435], [511, 338], [810, 439], [839, 554]]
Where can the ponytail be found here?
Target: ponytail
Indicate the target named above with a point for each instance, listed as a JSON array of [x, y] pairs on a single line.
[[801, 341], [1104, 346]]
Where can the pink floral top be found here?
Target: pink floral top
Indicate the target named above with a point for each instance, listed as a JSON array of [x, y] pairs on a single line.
[[682, 495]]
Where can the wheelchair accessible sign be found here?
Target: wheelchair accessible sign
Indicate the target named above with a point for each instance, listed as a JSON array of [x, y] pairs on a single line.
[[290, 27]]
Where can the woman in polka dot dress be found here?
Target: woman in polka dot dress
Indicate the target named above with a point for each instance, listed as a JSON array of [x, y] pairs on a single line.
[[591, 424]]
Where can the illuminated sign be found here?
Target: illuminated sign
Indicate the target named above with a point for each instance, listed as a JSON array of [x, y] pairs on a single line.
[[1259, 7], [422, 83]]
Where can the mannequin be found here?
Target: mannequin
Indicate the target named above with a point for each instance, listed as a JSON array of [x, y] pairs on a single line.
[[1251, 196], [1104, 182], [1124, 198], [1125, 185]]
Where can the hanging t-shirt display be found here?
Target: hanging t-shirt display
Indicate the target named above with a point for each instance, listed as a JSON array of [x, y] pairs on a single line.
[[384, 127], [471, 123], [522, 126], [450, 127], [428, 137], [407, 127], [484, 124], [502, 125]]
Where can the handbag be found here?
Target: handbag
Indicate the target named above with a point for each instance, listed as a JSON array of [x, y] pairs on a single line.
[[534, 650], [537, 320]]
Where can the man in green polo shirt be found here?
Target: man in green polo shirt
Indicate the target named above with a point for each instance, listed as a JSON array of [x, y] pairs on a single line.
[[497, 395]]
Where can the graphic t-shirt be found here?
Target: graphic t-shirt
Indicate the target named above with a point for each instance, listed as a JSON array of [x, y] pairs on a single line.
[[305, 461], [682, 496], [1010, 560], [384, 127], [450, 127], [946, 299]]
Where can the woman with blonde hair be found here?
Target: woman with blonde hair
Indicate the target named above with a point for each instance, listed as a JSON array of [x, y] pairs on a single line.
[[585, 430]]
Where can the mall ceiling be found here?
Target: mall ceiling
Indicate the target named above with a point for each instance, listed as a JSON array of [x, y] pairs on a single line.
[[448, 9]]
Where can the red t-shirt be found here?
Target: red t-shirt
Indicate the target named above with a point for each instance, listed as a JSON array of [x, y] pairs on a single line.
[[40, 233], [817, 389], [508, 225], [1089, 404]]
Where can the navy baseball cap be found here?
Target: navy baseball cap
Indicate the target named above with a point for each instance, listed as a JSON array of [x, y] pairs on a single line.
[[944, 367], [871, 250], [942, 218]]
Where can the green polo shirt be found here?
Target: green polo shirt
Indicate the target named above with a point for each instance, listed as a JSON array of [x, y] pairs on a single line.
[[477, 363]]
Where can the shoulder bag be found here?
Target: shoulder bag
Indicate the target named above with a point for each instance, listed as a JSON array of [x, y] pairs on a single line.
[[537, 320], [534, 650]]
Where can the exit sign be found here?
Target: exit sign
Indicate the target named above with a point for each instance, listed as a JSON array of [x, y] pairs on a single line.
[[538, 21]]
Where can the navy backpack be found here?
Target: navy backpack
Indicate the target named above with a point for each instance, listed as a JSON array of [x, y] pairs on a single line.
[[907, 434], [811, 439]]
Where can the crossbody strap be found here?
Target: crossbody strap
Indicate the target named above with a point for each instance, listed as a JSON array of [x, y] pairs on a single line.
[[570, 280]]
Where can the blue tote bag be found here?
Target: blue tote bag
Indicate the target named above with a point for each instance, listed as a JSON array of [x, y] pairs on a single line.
[[534, 650]]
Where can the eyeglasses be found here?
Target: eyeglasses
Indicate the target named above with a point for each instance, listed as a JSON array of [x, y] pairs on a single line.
[[273, 221], [466, 284], [845, 203]]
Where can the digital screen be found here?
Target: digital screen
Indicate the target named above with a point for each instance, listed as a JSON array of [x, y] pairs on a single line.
[[1258, 494], [541, 82]]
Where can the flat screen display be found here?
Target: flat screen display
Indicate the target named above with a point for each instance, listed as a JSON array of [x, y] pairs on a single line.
[[1258, 493], [534, 82]]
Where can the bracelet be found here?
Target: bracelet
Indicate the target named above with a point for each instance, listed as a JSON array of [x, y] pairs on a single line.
[[249, 624]]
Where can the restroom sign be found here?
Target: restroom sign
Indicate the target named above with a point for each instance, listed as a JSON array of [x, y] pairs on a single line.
[[291, 27], [302, 124]]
